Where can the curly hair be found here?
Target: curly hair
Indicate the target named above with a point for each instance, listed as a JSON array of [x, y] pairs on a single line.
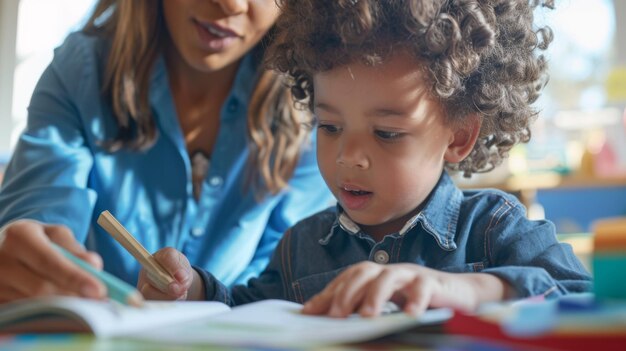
[[479, 57]]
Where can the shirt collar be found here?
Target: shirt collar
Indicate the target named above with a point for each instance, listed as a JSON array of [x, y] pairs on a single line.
[[247, 75], [439, 217], [441, 213], [162, 102]]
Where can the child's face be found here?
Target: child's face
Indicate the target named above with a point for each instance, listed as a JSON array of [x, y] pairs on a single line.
[[381, 142]]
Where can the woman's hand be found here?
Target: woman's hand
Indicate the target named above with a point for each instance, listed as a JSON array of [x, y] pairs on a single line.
[[187, 285], [365, 288], [30, 266]]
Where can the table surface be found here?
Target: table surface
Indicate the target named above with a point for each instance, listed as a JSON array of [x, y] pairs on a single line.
[[402, 341]]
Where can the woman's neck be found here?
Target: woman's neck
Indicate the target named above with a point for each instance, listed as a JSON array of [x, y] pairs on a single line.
[[198, 97], [195, 89]]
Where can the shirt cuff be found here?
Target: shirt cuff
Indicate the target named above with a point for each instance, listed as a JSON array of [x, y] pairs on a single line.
[[213, 289], [527, 281]]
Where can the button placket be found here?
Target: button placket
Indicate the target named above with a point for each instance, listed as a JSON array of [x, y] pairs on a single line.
[[203, 216], [233, 105]]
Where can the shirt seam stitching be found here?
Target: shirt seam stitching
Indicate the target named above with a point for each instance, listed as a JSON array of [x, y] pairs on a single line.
[[487, 246]]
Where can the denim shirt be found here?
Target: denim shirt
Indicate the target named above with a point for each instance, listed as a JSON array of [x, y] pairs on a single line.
[[61, 174], [457, 231]]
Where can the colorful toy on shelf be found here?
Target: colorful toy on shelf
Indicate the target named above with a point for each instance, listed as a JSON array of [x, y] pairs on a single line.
[[609, 258]]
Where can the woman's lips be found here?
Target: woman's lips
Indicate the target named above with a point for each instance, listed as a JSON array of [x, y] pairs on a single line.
[[214, 37]]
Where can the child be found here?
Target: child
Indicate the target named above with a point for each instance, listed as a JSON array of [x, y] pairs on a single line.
[[400, 91]]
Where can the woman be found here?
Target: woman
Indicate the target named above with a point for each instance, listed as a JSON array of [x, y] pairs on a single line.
[[163, 116]]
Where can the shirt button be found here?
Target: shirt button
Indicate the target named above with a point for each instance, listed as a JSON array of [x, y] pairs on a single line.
[[381, 256], [197, 231], [233, 105], [216, 181]]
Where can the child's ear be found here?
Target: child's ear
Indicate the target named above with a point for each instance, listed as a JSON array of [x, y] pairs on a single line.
[[463, 139]]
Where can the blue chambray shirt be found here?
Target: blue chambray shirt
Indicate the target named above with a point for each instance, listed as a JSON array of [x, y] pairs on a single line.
[[457, 231], [60, 174]]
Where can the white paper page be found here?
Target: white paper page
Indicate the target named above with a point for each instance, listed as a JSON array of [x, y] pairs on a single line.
[[127, 320], [275, 323]]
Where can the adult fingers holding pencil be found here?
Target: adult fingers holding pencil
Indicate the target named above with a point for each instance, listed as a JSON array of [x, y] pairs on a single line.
[[30, 265]]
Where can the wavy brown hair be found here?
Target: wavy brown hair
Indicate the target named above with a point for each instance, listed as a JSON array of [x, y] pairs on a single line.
[[480, 56], [136, 30]]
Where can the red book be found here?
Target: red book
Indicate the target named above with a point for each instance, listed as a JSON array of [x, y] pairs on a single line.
[[558, 338]]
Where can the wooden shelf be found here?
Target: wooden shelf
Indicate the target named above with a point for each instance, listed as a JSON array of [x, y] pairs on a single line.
[[539, 181], [525, 186]]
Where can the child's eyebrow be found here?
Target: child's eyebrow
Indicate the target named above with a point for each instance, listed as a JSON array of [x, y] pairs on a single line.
[[375, 112], [385, 112]]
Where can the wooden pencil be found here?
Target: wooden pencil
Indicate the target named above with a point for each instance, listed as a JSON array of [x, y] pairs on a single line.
[[157, 273]]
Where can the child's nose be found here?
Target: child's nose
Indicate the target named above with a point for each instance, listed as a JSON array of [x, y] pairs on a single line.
[[351, 154]]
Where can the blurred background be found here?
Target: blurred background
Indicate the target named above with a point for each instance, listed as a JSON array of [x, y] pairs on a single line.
[[572, 172]]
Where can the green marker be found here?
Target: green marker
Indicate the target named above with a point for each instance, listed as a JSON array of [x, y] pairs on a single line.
[[117, 289]]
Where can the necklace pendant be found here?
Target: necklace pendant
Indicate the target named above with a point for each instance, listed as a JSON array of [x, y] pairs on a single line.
[[200, 163]]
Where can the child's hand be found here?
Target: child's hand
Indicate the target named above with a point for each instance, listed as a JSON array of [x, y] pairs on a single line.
[[187, 285], [365, 287]]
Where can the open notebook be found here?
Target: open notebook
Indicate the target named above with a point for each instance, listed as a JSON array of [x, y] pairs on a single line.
[[269, 323], [101, 318]]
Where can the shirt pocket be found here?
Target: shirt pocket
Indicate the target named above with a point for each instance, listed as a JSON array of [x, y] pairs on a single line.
[[306, 287]]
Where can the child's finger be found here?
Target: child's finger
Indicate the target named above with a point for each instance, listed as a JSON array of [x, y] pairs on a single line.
[[176, 264], [318, 304], [173, 291], [349, 296], [150, 292], [322, 302], [380, 290], [419, 293], [328, 300]]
